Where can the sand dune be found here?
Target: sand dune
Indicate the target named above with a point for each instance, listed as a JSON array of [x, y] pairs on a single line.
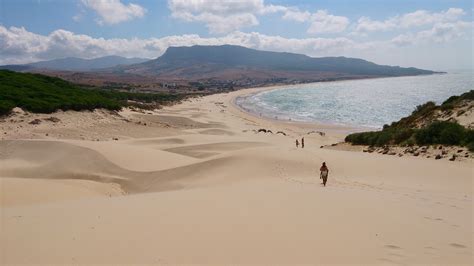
[[181, 122], [31, 191], [160, 141], [216, 132], [207, 150], [125, 155], [199, 186]]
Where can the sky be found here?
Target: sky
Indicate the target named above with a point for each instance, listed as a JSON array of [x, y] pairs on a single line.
[[430, 34]]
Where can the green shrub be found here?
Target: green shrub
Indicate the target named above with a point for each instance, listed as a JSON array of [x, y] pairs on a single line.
[[424, 108], [469, 136], [356, 138], [448, 106], [42, 94], [441, 133], [405, 131], [401, 135], [6, 107], [383, 138], [470, 146], [465, 96], [373, 138], [447, 133], [452, 134], [409, 142]]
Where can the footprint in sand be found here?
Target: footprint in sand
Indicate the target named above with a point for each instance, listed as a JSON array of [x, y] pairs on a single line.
[[388, 261], [396, 255], [430, 250], [456, 245], [392, 247], [433, 219]]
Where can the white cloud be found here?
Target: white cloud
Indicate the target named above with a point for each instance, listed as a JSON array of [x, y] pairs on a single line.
[[365, 24], [410, 20], [114, 11], [77, 17], [221, 24], [423, 17], [221, 16], [18, 45], [224, 16], [296, 15], [439, 33], [323, 22], [216, 7], [273, 9]]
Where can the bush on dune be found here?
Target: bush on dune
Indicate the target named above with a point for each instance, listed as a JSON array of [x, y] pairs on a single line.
[[454, 99], [380, 138], [441, 132], [6, 107], [404, 132], [470, 146], [43, 94], [448, 133], [402, 135], [469, 140], [424, 109]]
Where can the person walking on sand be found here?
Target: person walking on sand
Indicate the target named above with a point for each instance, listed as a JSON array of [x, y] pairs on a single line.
[[324, 173], [297, 143], [302, 142]]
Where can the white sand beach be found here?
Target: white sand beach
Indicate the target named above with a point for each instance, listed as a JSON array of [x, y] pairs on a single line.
[[195, 184]]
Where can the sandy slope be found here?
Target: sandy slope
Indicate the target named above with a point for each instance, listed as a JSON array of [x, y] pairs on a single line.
[[198, 185]]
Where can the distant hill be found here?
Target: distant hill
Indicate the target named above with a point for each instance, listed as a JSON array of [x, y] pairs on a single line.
[[17, 68], [76, 64], [200, 62]]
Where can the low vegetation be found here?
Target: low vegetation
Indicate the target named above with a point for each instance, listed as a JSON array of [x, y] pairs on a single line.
[[422, 128], [43, 94]]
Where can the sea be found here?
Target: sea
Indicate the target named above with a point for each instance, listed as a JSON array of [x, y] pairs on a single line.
[[364, 103]]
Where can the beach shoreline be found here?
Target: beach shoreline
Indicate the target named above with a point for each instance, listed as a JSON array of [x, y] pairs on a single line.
[[341, 118], [341, 129]]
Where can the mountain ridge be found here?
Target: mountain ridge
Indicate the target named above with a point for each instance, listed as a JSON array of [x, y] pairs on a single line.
[[224, 67], [218, 58]]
